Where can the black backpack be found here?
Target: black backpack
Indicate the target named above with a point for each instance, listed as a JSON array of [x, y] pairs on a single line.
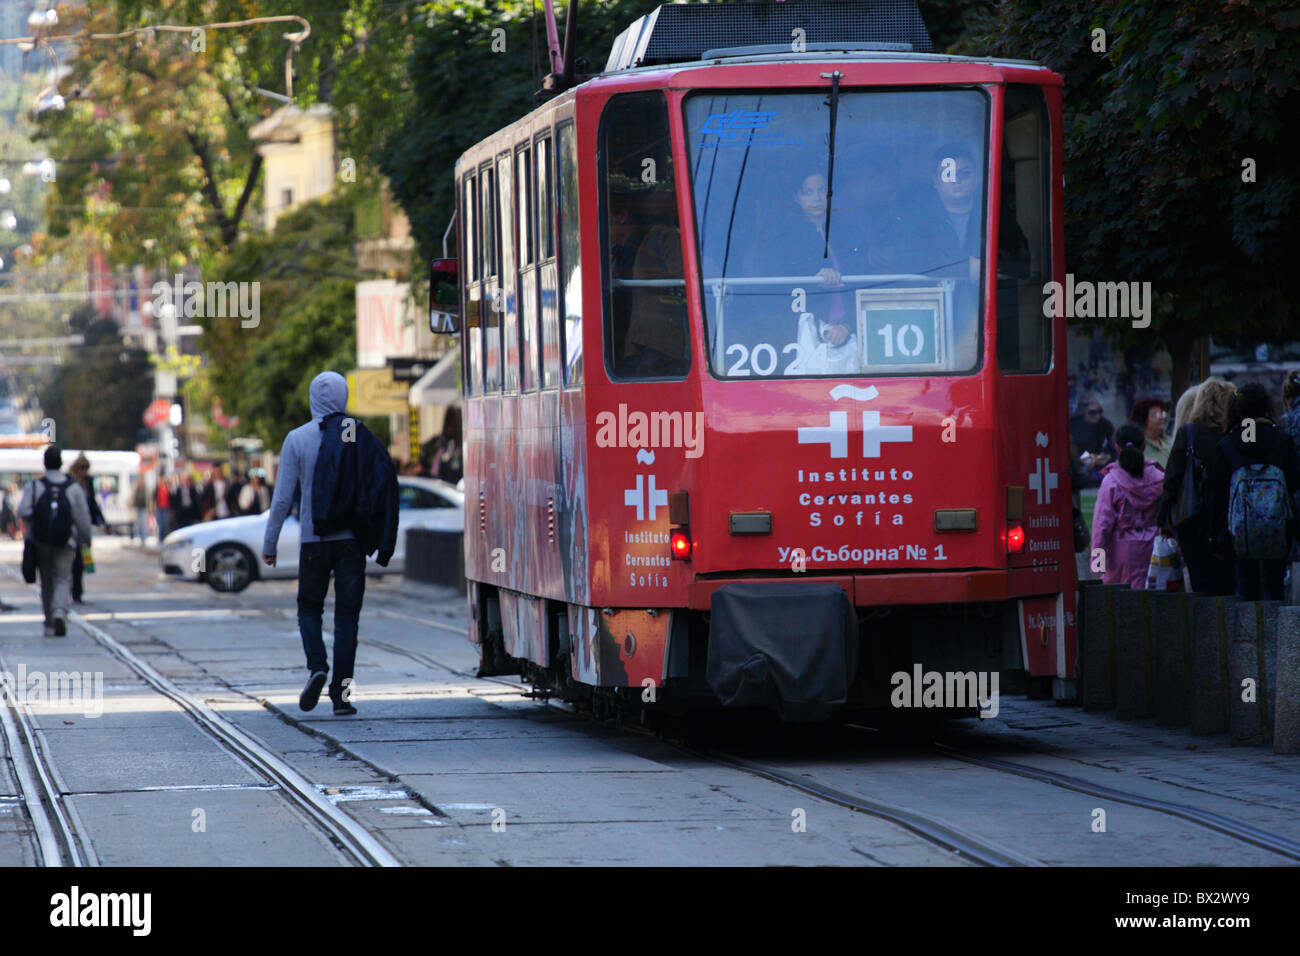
[[52, 516]]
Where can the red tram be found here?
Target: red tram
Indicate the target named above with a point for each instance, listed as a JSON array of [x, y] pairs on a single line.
[[761, 401]]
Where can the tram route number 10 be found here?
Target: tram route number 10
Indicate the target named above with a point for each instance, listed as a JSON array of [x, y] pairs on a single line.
[[909, 339]]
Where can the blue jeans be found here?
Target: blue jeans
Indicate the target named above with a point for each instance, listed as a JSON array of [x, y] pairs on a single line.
[[316, 561]]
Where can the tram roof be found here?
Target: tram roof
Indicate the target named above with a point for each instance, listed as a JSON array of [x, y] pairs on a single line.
[[676, 74], [724, 58]]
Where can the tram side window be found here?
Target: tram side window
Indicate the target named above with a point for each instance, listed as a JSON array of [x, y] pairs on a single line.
[[509, 304], [493, 296], [570, 256], [1024, 334], [473, 291], [548, 292], [646, 330], [527, 273]]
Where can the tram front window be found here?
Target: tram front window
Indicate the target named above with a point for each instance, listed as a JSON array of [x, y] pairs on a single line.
[[885, 281]]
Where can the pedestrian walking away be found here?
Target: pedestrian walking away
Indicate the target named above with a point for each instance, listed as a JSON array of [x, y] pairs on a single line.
[[347, 489], [58, 518], [1185, 503], [1253, 481]]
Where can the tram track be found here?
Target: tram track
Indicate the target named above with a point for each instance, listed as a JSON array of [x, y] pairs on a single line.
[[936, 831], [59, 835], [1244, 832], [963, 843], [347, 835], [933, 830]]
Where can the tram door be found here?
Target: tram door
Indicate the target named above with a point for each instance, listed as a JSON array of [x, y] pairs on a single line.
[[649, 428], [1036, 442]]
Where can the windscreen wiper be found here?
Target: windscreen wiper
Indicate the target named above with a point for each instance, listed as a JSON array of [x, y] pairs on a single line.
[[834, 104]]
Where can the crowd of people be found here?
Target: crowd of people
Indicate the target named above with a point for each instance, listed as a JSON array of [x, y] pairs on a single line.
[[180, 501], [1224, 485]]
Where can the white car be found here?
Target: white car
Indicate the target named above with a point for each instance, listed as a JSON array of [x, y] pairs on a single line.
[[227, 553]]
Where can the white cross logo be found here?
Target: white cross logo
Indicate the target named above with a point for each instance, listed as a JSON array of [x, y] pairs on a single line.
[[874, 434], [637, 498], [836, 434], [1037, 484]]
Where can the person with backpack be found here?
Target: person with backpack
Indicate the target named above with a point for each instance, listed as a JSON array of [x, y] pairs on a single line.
[[1124, 518], [1253, 479], [1185, 504], [57, 516], [348, 495]]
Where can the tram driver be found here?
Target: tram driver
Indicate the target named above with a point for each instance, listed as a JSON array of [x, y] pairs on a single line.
[[948, 242]]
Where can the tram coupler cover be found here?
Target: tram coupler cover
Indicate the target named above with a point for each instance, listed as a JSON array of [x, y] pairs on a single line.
[[789, 647]]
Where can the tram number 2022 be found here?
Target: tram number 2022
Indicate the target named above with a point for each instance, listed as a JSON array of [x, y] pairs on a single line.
[[904, 342]]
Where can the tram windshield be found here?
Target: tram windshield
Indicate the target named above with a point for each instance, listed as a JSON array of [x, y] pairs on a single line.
[[889, 281]]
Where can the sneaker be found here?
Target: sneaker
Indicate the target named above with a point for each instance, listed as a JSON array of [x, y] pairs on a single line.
[[311, 693], [49, 629], [343, 709], [60, 627]]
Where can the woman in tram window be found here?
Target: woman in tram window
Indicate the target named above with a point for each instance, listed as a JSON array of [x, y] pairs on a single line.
[[795, 245]]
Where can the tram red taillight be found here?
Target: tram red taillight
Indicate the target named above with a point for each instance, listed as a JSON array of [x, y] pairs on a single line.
[[1015, 539], [679, 543]]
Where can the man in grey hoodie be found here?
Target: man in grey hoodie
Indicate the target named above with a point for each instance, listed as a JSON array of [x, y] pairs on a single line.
[[319, 556], [55, 558]]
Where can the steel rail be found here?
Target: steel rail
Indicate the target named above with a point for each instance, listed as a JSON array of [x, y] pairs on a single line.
[[1245, 832], [354, 839]]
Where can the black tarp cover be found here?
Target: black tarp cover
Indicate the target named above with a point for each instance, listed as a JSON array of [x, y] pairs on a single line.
[[789, 647]]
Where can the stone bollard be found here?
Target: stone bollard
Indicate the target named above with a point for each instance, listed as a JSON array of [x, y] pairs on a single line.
[[1133, 654], [1171, 633], [1097, 645], [1286, 713], [1251, 657], [1213, 628]]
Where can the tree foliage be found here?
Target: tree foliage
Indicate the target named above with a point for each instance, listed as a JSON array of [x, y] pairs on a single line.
[[1158, 128], [98, 394], [155, 156], [307, 279], [463, 89]]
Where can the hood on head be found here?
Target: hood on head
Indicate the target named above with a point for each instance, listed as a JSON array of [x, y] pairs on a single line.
[[329, 394], [1143, 490]]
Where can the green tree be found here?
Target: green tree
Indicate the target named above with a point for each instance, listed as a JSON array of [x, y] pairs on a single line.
[[155, 156], [1159, 129], [463, 89], [98, 394], [307, 277]]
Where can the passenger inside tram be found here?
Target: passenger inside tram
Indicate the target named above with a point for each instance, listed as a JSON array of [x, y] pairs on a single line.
[[794, 245]]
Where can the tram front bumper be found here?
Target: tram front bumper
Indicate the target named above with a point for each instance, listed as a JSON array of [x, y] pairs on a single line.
[[788, 646]]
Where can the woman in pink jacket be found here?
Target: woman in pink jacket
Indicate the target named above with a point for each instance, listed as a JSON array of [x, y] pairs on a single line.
[[1124, 520]]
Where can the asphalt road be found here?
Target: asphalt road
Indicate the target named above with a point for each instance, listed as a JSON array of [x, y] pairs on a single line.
[[445, 769]]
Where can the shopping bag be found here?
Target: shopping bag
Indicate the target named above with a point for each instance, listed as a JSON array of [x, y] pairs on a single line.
[[1166, 569]]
